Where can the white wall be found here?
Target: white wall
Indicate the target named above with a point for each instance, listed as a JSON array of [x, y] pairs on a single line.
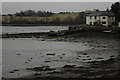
[[92, 19], [119, 24]]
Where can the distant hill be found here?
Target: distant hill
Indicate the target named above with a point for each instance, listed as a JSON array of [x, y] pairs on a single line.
[[50, 18], [56, 18]]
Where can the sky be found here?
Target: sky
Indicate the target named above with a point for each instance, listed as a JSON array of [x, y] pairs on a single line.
[[60, 0], [13, 7]]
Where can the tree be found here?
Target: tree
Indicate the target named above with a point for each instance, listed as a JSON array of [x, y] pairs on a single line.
[[81, 19], [33, 13], [107, 10], [96, 10], [115, 24], [115, 8]]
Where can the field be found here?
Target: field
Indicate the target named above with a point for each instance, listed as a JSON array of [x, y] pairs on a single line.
[[44, 19]]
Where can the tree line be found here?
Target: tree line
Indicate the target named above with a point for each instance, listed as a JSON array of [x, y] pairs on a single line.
[[34, 13], [80, 19]]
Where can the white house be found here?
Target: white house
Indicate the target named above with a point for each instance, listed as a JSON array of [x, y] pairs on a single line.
[[119, 24], [100, 17]]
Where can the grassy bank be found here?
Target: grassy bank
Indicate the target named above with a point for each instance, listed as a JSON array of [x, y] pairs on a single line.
[[28, 20]]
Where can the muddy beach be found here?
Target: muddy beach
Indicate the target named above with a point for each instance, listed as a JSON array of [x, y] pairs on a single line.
[[83, 55]]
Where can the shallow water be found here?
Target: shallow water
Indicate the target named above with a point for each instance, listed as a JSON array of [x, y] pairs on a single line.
[[14, 29], [17, 54]]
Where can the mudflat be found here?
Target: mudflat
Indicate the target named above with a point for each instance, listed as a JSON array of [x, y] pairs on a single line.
[[75, 56]]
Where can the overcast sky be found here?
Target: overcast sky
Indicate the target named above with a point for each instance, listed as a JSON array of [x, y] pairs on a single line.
[[12, 7]]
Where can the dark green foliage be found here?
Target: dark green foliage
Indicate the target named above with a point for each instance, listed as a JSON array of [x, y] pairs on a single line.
[[115, 8], [33, 13], [81, 19]]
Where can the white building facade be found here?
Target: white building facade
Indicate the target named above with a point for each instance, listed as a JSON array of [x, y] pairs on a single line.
[[102, 18], [119, 24]]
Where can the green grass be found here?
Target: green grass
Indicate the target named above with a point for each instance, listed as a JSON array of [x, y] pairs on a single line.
[[63, 16], [50, 18]]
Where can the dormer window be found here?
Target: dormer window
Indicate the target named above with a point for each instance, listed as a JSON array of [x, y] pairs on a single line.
[[104, 17], [90, 17]]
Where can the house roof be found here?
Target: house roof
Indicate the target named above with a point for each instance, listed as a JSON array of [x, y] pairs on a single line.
[[102, 13]]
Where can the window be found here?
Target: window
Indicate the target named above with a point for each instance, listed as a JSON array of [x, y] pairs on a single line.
[[95, 23], [95, 17], [103, 22], [90, 23], [104, 17], [90, 17]]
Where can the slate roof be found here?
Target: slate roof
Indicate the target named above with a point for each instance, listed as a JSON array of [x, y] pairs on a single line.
[[102, 13]]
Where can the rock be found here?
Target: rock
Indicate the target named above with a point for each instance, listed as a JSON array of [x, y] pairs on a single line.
[[87, 56], [104, 62], [84, 59], [37, 74], [69, 66], [77, 58], [18, 54], [84, 53], [26, 62], [43, 68], [109, 61], [80, 67], [12, 72], [89, 59], [76, 41], [63, 54], [16, 70], [93, 48], [43, 40], [47, 61], [56, 72], [100, 58], [60, 57], [112, 56], [50, 54]]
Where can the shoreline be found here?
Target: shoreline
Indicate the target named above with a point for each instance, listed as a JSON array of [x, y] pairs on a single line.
[[81, 33], [57, 78], [103, 47]]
